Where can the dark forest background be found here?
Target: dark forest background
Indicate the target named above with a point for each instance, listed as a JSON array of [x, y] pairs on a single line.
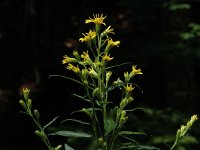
[[161, 37]]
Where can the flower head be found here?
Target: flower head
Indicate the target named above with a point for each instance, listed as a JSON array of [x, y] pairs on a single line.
[[136, 71], [97, 20], [73, 68], [107, 31], [129, 88], [111, 44], [106, 58], [88, 36], [68, 59], [76, 54], [86, 58], [93, 73], [26, 92]]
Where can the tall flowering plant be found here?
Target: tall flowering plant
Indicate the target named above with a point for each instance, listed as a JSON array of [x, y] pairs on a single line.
[[91, 66], [94, 74]]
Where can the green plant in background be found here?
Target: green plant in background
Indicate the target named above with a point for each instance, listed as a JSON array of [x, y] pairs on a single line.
[[107, 119], [34, 114], [183, 131]]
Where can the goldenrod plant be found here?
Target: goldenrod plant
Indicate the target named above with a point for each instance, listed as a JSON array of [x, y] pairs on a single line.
[[93, 72]]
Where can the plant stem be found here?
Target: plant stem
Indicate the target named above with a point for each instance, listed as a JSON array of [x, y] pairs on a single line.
[[174, 145]]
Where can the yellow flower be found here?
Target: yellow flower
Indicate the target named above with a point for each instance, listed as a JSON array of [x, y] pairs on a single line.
[[86, 58], [107, 31], [107, 58], [93, 73], [129, 88], [136, 71], [26, 92], [76, 54], [126, 77], [85, 55], [73, 68], [112, 43], [88, 36], [68, 59], [97, 20]]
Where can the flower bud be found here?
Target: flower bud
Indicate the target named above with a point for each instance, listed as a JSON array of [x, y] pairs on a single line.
[[22, 104], [36, 114], [108, 75], [26, 92], [29, 103], [58, 147]]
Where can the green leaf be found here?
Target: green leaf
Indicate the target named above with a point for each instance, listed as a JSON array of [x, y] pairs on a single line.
[[109, 125], [52, 121], [67, 147], [66, 78], [137, 146], [72, 134], [188, 140], [126, 63], [174, 7], [88, 109], [75, 120], [131, 133], [113, 86], [130, 139], [81, 97]]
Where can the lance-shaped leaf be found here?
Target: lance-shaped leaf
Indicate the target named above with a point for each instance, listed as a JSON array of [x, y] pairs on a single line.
[[72, 134], [132, 146], [75, 120], [109, 125], [74, 80], [131, 133], [52, 121], [119, 65], [81, 97], [67, 147]]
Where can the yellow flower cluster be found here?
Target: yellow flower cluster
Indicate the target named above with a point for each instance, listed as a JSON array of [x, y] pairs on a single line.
[[95, 42]]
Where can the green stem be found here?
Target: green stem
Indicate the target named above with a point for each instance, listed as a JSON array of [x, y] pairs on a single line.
[[174, 145], [94, 118], [45, 138]]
